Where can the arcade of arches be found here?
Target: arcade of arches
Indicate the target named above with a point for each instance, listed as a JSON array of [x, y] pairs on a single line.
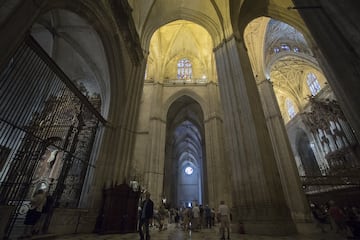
[[253, 102]]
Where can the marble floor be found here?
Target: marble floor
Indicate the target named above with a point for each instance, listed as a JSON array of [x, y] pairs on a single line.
[[173, 233]]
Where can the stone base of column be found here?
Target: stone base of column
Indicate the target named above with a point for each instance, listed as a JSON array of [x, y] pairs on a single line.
[[306, 228], [272, 228], [304, 222], [69, 221], [272, 220], [275, 228]]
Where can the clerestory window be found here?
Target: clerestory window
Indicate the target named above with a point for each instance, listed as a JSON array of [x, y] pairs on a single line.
[[290, 108], [184, 69], [313, 83]]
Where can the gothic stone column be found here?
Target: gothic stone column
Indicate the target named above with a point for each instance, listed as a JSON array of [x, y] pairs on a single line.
[[154, 164], [117, 145], [217, 165], [258, 194], [124, 126], [289, 175]]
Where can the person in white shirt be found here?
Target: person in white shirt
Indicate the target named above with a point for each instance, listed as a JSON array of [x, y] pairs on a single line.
[[224, 215]]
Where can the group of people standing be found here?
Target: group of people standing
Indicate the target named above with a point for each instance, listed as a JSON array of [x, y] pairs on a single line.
[[193, 218], [329, 216], [199, 217]]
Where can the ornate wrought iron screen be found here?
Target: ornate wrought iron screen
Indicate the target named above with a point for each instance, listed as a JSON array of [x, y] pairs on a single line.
[[47, 130]]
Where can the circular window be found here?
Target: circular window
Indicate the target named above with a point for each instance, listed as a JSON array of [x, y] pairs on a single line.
[[189, 170]]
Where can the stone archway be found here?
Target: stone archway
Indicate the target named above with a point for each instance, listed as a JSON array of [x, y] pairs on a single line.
[[77, 49], [185, 160]]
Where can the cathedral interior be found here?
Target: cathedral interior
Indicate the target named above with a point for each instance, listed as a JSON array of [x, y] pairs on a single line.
[[195, 101]]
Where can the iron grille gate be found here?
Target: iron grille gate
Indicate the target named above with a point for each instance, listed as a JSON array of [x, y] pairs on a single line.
[[47, 129]]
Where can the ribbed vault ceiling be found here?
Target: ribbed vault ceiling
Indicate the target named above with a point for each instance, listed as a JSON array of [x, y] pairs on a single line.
[[76, 47], [177, 40], [213, 15], [279, 52]]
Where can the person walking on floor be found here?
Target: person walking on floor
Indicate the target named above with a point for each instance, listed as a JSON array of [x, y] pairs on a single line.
[[146, 213]]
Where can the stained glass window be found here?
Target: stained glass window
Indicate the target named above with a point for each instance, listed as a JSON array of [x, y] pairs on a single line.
[[184, 69], [313, 84], [290, 108]]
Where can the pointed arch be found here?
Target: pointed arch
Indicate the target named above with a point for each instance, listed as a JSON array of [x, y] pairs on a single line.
[[185, 92], [185, 141]]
